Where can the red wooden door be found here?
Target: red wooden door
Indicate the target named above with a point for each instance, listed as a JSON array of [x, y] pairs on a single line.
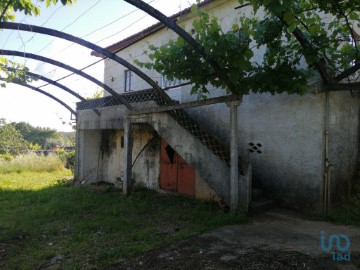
[[175, 173], [168, 169], [186, 178]]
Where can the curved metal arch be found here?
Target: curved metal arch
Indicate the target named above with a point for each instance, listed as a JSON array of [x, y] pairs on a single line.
[[55, 83], [46, 94], [70, 68], [170, 23], [92, 46]]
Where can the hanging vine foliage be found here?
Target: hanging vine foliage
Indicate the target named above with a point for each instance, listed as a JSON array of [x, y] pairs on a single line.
[[296, 40]]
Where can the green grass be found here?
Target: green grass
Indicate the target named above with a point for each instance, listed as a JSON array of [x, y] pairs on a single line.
[[42, 217], [348, 214], [31, 163]]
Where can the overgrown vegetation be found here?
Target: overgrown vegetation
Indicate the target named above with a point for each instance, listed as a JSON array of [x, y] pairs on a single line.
[[30, 163], [17, 140], [46, 221], [67, 157], [348, 212]]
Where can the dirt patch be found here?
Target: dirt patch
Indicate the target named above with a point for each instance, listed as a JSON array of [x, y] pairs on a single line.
[[274, 240], [212, 253]]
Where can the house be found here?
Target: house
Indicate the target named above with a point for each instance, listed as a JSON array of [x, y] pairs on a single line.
[[301, 151]]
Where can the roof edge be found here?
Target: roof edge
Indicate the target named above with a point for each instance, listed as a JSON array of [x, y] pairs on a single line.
[[123, 44]]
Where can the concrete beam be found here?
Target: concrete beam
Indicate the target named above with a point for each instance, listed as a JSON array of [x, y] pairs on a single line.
[[185, 105]]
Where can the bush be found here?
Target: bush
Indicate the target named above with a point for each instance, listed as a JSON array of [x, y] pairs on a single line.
[[6, 157], [68, 158], [32, 163]]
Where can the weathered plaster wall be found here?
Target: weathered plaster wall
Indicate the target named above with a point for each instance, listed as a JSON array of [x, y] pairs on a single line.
[[290, 131], [343, 142], [203, 191], [114, 73], [146, 169], [213, 171], [102, 159], [88, 150], [110, 155]]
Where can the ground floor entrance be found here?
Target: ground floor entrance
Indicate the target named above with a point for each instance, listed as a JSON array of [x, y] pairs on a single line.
[[175, 174]]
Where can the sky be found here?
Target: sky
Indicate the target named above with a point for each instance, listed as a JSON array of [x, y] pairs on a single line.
[[102, 22]]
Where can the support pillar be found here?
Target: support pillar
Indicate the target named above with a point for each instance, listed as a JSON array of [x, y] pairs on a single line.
[[234, 157], [79, 155], [128, 144]]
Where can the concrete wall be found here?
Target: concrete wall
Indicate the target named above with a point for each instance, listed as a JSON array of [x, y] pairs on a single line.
[[289, 128], [290, 132], [213, 171], [88, 151], [343, 142], [114, 73], [101, 154], [110, 156], [146, 169]]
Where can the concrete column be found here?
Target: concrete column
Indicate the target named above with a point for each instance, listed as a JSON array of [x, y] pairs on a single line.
[[128, 144], [79, 155], [234, 157]]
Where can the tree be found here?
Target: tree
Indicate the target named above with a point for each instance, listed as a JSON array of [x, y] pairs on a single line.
[[299, 40], [8, 8], [11, 141], [7, 13], [35, 135]]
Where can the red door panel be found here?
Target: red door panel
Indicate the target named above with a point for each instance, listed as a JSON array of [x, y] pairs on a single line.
[[175, 173], [186, 178]]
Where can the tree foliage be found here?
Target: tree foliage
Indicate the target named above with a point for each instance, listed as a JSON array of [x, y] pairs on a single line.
[[277, 49], [35, 135], [28, 7], [11, 140]]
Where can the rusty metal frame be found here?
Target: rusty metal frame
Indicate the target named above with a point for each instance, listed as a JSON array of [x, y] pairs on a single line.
[[89, 45], [54, 83], [44, 93], [67, 67]]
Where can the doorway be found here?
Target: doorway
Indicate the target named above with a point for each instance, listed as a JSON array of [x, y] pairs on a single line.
[[175, 174]]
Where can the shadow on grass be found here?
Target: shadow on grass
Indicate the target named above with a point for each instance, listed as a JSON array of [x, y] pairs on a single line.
[[84, 227]]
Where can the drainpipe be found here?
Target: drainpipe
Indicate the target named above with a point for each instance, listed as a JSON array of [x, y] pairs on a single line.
[[327, 164]]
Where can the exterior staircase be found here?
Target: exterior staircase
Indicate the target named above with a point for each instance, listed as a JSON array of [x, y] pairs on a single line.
[[211, 159]]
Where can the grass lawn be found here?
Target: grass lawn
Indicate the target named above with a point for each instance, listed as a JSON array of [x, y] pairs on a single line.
[[45, 220], [348, 214]]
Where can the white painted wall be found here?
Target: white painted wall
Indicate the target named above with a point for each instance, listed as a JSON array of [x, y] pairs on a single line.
[[290, 128]]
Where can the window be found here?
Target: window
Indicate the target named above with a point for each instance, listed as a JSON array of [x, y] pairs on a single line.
[[165, 82], [128, 75]]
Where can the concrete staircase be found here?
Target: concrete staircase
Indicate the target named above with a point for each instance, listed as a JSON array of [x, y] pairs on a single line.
[[201, 149]]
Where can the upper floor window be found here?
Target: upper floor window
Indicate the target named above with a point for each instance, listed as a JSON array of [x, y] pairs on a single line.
[[165, 82], [128, 80]]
